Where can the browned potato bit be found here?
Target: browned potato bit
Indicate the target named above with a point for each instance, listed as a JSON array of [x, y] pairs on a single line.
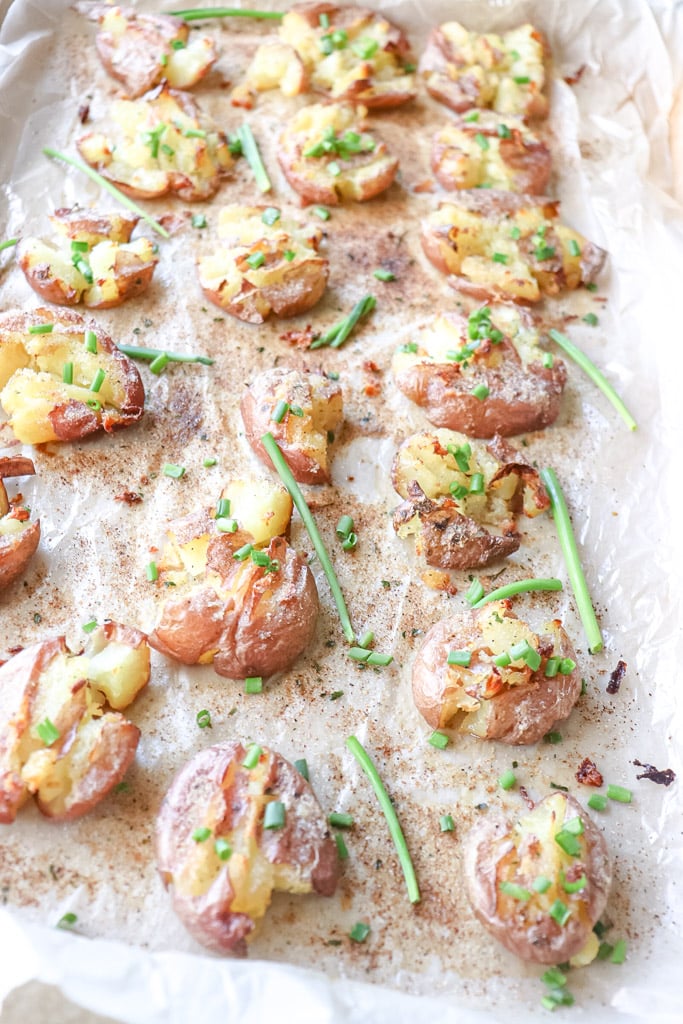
[[327, 156], [484, 374], [19, 536], [470, 69], [143, 50], [312, 411], [487, 150], [57, 740], [248, 610], [498, 245], [62, 378], [346, 53], [238, 824], [159, 144], [512, 684], [261, 267], [540, 885], [95, 262], [462, 498]]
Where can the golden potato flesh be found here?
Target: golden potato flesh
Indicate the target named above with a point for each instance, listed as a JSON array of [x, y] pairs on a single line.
[[504, 246], [540, 884], [19, 537], [346, 53], [265, 264], [482, 374], [488, 150], [327, 156], [462, 497], [506, 72], [62, 378], [159, 144], [312, 410], [142, 50], [261, 508], [57, 740], [238, 824], [94, 261], [507, 682]]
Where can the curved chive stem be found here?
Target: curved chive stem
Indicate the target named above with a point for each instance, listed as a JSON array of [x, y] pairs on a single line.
[[200, 13], [8, 244], [112, 189], [395, 829], [520, 587], [570, 551], [253, 157], [591, 370], [337, 335], [150, 354], [285, 474]]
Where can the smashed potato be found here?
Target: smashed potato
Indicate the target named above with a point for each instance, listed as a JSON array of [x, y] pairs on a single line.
[[484, 374], [485, 150], [457, 493], [19, 537], [160, 143], [346, 53], [540, 885], [470, 69], [143, 50], [95, 263], [511, 684], [312, 412], [242, 599], [327, 156], [498, 245], [265, 265], [238, 824], [57, 740], [62, 378]]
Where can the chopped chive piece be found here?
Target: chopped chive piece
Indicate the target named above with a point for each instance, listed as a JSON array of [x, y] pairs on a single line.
[[177, 44], [339, 39], [503, 131], [171, 152], [270, 215], [502, 660], [301, 766], [554, 977], [383, 275], [275, 815], [475, 592], [98, 380], [605, 951], [209, 461], [522, 79], [439, 740], [252, 756], [568, 842], [378, 659], [79, 246], [174, 471], [446, 823], [507, 780], [159, 364], [279, 412], [590, 318], [350, 542], [223, 849], [337, 335], [560, 912], [395, 830], [90, 341], [47, 732], [567, 666], [574, 826], [8, 244], [342, 849], [471, 117], [93, 404], [198, 220], [358, 653], [344, 526], [163, 60], [515, 232], [459, 658], [571, 556], [256, 260], [365, 47], [517, 892], [458, 490], [541, 884], [253, 157], [340, 820], [359, 932], [574, 247], [481, 141], [552, 667], [284, 472], [152, 572], [366, 639], [591, 370], [89, 626], [520, 587], [523, 651], [200, 835], [409, 68], [234, 145], [618, 954], [194, 133], [253, 684], [67, 920], [148, 355], [480, 391], [324, 21], [296, 410], [477, 483], [500, 257], [41, 329], [576, 886], [552, 737], [289, 255], [544, 252], [334, 169], [597, 802], [620, 794], [321, 212], [68, 373], [548, 360], [204, 719], [222, 508], [410, 347]]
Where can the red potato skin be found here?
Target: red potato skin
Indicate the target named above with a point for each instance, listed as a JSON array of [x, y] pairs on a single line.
[[213, 787], [543, 941], [134, 59], [530, 162], [296, 292], [78, 221], [16, 550]]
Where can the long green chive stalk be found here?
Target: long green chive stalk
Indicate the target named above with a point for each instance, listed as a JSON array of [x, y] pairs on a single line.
[[591, 370], [285, 474], [199, 13], [572, 561], [395, 829], [252, 155], [337, 335], [520, 587], [112, 189], [148, 355], [8, 244]]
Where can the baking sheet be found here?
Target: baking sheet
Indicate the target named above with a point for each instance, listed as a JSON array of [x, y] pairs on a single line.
[[614, 174]]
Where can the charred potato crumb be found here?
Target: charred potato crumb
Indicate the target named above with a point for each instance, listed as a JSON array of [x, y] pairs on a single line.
[[502, 246], [159, 144], [219, 858], [506, 72], [314, 412], [58, 741], [507, 864], [19, 537], [515, 701], [462, 498], [35, 349], [454, 357], [263, 268], [327, 155]]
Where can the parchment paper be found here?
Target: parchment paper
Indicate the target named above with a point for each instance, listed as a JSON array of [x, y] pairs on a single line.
[[132, 958]]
